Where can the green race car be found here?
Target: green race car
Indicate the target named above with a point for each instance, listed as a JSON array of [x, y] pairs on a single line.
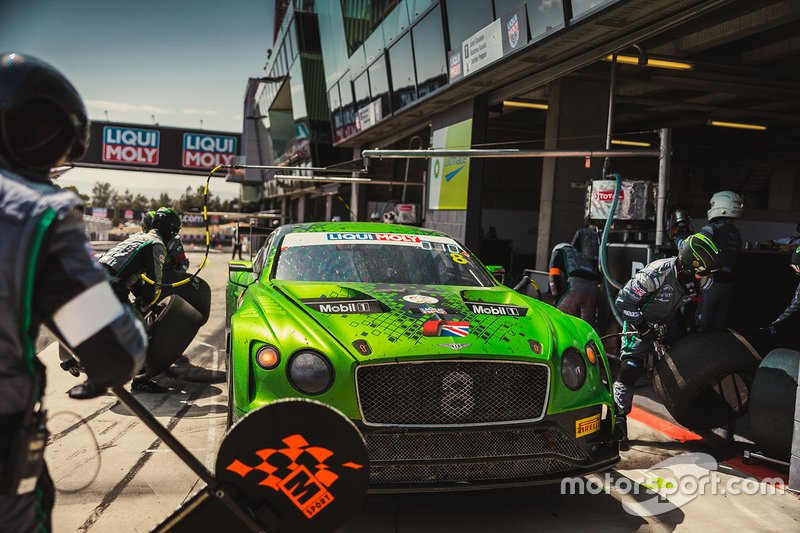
[[455, 380]]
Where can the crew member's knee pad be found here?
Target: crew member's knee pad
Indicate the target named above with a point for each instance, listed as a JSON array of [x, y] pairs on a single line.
[[630, 370]]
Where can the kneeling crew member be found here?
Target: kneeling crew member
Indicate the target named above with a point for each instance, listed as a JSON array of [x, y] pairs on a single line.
[[176, 255], [654, 295], [794, 306], [47, 276]]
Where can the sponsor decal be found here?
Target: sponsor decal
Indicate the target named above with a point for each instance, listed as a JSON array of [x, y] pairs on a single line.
[[445, 328], [202, 150], [454, 64], [496, 309], [536, 347], [362, 346], [637, 289], [512, 31], [344, 307], [632, 313], [380, 237], [131, 145], [420, 299], [455, 346], [431, 310], [608, 196], [664, 294], [587, 426], [287, 472]]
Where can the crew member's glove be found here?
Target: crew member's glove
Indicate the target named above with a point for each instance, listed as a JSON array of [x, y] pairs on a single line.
[[645, 332]]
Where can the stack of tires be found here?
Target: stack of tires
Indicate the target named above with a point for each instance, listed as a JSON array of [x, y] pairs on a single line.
[[773, 403], [706, 379]]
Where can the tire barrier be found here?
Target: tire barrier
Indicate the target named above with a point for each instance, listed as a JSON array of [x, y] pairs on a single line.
[[705, 379], [773, 401]]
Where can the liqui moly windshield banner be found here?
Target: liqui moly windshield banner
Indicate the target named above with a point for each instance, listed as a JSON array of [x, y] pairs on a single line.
[[135, 146], [202, 150]]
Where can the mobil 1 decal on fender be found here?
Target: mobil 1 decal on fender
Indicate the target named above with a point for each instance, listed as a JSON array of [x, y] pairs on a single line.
[[481, 308]]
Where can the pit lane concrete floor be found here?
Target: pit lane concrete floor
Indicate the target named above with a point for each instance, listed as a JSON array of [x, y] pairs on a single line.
[[137, 481]]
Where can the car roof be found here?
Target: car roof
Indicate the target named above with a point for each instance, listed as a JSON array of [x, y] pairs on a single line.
[[359, 227]]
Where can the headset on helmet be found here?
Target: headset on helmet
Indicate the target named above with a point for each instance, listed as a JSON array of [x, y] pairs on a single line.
[[698, 255], [167, 223], [726, 204], [147, 220], [42, 116]]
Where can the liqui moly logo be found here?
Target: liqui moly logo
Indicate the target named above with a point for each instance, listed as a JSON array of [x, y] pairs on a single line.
[[131, 145], [201, 150]]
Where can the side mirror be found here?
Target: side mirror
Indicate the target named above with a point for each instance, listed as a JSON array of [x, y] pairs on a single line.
[[235, 270], [240, 266], [498, 272]]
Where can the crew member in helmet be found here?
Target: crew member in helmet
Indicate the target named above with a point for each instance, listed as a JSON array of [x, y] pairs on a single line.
[[654, 295], [794, 306], [573, 282], [679, 226], [141, 253], [725, 208], [176, 255], [48, 276]]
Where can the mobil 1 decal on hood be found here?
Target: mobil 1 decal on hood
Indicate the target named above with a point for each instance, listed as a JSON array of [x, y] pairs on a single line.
[[482, 308]]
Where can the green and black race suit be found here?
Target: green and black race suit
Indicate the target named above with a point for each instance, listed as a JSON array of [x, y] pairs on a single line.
[[141, 253], [176, 256]]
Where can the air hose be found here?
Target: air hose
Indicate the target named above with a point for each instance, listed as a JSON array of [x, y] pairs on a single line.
[[208, 244], [608, 281]]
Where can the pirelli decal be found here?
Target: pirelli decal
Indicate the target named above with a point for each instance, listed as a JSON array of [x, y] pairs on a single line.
[[345, 307], [587, 426], [480, 308]]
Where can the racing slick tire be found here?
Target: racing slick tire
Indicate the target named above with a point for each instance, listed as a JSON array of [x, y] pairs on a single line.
[[773, 401], [171, 326], [197, 292], [705, 379]]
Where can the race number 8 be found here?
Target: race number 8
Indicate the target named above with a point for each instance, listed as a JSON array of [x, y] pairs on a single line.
[[458, 258]]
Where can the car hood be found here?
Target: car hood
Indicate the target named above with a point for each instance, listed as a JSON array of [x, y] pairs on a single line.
[[391, 322]]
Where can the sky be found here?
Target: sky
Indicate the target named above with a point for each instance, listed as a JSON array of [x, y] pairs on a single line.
[[175, 61]]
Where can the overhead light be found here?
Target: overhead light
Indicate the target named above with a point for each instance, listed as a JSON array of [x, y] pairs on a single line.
[[527, 105], [630, 143], [737, 125], [652, 62]]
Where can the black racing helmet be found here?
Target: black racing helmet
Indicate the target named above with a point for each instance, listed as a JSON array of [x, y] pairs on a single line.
[[698, 255], [42, 116], [167, 223]]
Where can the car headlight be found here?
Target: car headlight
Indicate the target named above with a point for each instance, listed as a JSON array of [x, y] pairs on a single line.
[[310, 372], [573, 369]]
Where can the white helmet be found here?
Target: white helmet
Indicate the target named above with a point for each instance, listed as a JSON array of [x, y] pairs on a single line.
[[390, 217], [725, 204]]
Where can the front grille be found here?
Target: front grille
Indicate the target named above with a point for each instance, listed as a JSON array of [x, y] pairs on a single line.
[[454, 473], [440, 393], [465, 445]]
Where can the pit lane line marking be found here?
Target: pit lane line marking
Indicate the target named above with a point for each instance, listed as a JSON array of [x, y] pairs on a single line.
[[662, 426], [212, 421]]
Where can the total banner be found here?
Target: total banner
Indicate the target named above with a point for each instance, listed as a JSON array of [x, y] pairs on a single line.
[[449, 180]]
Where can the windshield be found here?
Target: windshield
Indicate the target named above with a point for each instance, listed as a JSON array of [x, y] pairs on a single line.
[[378, 258]]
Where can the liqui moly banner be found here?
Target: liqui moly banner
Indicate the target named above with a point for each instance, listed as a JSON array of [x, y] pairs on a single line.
[[202, 150], [136, 146]]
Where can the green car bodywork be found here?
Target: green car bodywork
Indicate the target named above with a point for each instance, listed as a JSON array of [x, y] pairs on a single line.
[[403, 324]]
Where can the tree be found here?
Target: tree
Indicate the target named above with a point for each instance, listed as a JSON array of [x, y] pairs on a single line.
[[102, 193]]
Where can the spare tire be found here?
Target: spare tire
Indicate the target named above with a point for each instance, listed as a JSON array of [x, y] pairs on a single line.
[[705, 378], [773, 401], [197, 292], [172, 324]]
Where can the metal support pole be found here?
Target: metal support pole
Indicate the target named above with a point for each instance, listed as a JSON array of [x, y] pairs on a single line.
[[506, 153], [610, 123], [663, 183], [143, 414]]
